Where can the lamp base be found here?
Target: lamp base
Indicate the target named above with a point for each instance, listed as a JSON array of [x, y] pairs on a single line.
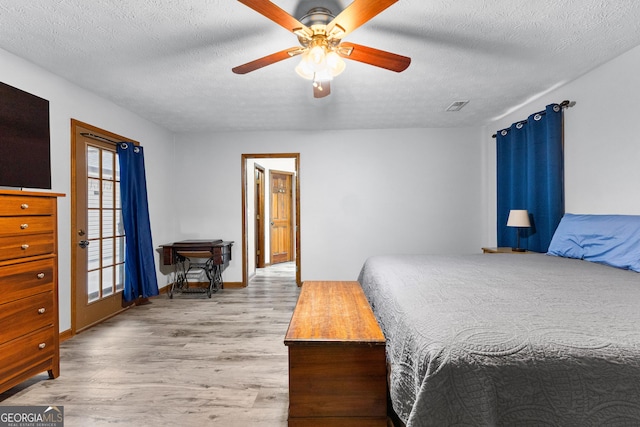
[[518, 250]]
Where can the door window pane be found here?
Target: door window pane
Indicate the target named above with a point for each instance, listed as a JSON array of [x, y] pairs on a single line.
[[118, 204], [93, 252], [93, 224], [107, 281], [107, 252], [119, 277], [93, 193], [93, 162], [119, 249], [93, 285], [107, 194], [107, 164], [107, 223]]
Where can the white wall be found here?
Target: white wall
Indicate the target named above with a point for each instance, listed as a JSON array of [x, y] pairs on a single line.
[[602, 141], [362, 193], [67, 101]]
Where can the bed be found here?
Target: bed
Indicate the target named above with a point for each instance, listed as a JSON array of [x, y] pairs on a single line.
[[502, 339]]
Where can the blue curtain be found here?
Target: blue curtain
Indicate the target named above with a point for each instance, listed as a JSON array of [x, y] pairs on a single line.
[[140, 269], [530, 175]]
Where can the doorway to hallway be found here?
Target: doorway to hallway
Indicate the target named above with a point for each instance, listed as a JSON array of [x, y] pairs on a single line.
[[270, 213]]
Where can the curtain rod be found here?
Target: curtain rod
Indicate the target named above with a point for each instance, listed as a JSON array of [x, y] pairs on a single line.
[[564, 104], [99, 138]]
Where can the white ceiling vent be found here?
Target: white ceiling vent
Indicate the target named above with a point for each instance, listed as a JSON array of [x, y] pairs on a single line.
[[457, 105]]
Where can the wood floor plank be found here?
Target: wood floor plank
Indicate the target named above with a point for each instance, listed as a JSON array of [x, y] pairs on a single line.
[[188, 361]]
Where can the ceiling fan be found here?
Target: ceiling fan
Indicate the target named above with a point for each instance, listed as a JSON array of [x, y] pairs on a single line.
[[320, 35]]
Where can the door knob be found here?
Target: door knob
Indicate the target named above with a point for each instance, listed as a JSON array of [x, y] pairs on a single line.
[[83, 243]]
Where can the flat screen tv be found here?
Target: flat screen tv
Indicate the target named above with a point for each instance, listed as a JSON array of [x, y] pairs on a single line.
[[25, 146]]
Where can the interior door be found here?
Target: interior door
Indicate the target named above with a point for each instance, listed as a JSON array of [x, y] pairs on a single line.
[[281, 217], [98, 235]]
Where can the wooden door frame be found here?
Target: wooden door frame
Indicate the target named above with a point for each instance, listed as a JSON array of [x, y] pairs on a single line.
[[296, 189], [259, 220]]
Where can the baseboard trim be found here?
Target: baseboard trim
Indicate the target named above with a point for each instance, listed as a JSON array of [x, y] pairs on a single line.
[[65, 335], [234, 285], [204, 285]]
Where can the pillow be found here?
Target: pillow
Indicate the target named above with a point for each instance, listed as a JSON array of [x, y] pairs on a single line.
[[608, 239]]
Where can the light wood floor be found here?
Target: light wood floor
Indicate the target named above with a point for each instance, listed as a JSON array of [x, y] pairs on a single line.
[[188, 361]]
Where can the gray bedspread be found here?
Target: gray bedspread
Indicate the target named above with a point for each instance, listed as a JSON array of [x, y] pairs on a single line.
[[508, 340]]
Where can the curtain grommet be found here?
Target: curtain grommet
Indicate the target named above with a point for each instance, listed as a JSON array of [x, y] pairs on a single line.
[[537, 117]]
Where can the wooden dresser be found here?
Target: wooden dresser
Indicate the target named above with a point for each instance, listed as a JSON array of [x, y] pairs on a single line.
[[337, 362], [29, 335]]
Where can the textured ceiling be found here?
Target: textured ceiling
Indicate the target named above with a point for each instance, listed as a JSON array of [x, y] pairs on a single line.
[[170, 61]]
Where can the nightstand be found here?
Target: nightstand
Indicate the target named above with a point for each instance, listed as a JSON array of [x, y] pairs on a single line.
[[506, 250]]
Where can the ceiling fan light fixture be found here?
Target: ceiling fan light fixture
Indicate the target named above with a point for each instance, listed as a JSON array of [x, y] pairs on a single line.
[[319, 63], [307, 73], [304, 70], [317, 58], [335, 64]]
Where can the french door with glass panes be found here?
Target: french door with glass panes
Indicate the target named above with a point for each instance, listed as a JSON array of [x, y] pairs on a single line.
[[98, 231]]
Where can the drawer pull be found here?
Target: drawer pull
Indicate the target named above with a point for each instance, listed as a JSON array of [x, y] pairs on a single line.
[[24, 206], [24, 226], [40, 276], [25, 247], [42, 310], [42, 345]]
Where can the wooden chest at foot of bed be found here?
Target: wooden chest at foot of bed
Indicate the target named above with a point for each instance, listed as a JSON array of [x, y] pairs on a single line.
[[337, 363]]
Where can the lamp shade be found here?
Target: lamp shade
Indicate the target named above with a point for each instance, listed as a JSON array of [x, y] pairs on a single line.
[[518, 218]]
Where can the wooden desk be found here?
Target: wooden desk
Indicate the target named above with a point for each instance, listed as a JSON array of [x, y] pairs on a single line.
[[503, 250], [217, 248], [337, 362], [188, 254]]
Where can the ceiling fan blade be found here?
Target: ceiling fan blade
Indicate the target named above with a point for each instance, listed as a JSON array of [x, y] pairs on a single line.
[[375, 57], [267, 60], [356, 14], [279, 16], [322, 89]]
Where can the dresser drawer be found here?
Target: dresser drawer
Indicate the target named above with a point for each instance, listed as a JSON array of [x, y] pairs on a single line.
[[13, 247], [20, 205], [23, 225], [25, 279], [26, 315], [20, 355]]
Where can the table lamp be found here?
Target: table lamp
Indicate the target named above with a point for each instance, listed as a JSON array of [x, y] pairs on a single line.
[[518, 218]]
